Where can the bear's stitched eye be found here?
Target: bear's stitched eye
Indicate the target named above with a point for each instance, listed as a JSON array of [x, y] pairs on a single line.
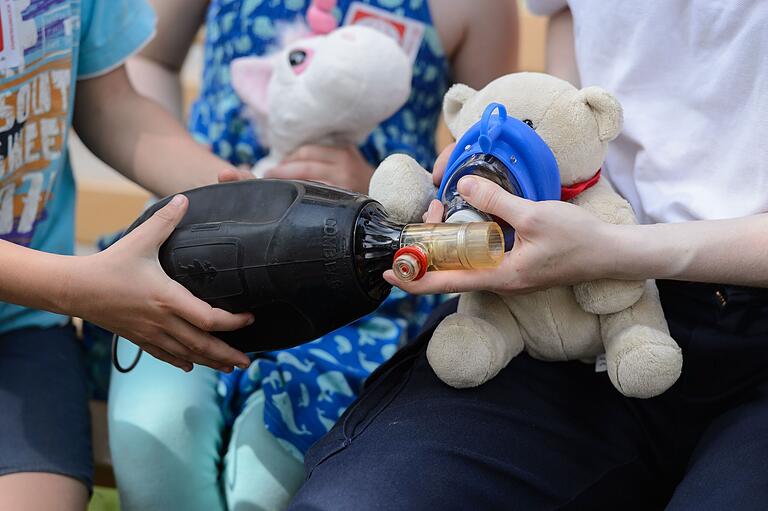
[[529, 123], [297, 57]]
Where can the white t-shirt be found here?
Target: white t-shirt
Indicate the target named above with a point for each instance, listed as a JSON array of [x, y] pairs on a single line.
[[692, 76]]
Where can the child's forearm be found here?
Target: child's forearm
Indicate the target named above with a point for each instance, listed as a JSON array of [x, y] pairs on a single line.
[[139, 138], [561, 54], [165, 157], [723, 251], [124, 290], [35, 279], [156, 82]]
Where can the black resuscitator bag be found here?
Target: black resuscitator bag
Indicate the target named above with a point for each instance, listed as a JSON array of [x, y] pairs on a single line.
[[304, 258]]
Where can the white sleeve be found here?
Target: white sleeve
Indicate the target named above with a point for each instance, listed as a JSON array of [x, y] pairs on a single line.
[[546, 7]]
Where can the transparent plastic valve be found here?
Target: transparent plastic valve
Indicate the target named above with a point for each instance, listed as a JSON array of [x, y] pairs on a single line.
[[468, 246]]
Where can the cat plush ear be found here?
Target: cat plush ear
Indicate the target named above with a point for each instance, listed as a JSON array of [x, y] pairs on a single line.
[[250, 79]]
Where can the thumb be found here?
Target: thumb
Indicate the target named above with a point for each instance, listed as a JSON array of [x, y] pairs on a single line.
[[493, 199], [155, 230]]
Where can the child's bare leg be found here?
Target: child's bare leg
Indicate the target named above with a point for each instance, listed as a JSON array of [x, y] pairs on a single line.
[[37, 491]]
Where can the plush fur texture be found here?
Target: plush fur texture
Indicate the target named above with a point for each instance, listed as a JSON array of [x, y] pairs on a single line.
[[350, 81], [621, 318], [405, 186]]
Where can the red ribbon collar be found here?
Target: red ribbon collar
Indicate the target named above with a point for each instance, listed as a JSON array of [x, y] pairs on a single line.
[[569, 192]]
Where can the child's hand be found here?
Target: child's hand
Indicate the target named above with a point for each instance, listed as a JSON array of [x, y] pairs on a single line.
[[230, 174], [343, 167], [125, 290]]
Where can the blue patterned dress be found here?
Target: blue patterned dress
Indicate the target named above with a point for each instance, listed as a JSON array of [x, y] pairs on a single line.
[[308, 387]]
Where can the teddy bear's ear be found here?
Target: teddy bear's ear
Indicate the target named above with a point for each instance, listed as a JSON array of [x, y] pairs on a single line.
[[453, 102], [607, 111]]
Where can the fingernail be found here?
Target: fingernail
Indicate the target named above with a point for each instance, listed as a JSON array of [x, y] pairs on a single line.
[[243, 366], [467, 185], [252, 320], [177, 201]]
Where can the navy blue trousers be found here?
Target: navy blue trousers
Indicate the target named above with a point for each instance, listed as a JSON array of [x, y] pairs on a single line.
[[545, 436]]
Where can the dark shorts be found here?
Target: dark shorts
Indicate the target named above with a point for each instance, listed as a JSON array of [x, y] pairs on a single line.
[[44, 418], [558, 435]]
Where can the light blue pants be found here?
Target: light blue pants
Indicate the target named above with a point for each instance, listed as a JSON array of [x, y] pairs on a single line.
[[166, 436]]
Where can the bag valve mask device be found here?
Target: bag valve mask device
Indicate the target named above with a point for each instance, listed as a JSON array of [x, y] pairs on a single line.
[[307, 258]]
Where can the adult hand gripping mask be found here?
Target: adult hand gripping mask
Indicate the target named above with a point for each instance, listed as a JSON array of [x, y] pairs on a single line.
[[304, 258], [506, 151]]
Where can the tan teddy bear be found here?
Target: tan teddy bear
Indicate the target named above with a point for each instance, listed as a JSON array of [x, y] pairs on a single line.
[[624, 319]]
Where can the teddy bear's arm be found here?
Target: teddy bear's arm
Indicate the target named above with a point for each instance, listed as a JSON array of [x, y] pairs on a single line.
[[602, 201], [403, 187], [607, 296]]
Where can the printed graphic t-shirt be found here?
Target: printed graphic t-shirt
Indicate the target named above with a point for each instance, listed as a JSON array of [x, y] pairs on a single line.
[[54, 43]]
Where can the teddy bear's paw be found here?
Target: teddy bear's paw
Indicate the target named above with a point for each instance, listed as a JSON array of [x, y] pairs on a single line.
[[646, 362], [608, 296], [466, 351], [403, 187]]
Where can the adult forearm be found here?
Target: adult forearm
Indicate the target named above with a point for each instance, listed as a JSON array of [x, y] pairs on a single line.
[[557, 243], [723, 251]]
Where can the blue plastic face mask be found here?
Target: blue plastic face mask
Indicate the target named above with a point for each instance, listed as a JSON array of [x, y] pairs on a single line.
[[504, 150]]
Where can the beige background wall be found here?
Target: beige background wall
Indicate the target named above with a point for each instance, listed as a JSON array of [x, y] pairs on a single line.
[[108, 202]]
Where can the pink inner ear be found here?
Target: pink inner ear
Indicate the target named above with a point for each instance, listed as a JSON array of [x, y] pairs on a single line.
[[250, 79]]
